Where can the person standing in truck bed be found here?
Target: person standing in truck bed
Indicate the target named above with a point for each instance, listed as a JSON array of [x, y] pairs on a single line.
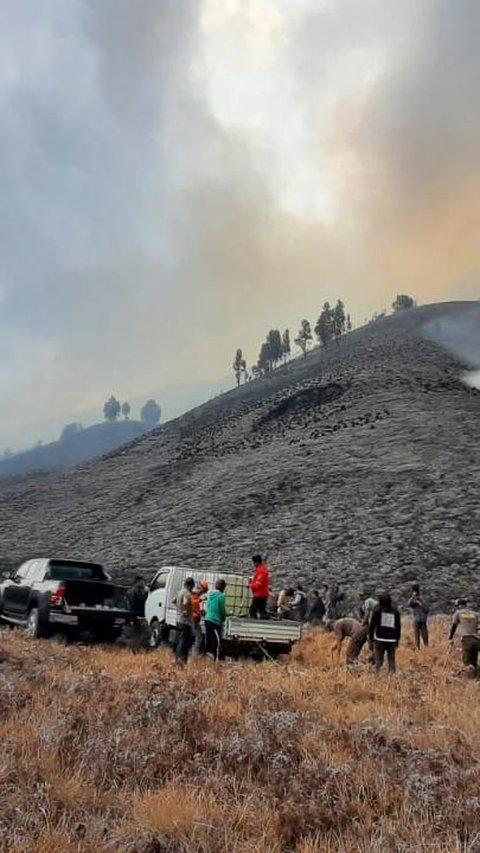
[[259, 587]]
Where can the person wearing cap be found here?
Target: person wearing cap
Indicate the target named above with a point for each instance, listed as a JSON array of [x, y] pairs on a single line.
[[259, 587], [466, 620], [184, 621], [215, 616]]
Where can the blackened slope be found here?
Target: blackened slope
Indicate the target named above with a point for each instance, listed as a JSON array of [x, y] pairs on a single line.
[[377, 483]]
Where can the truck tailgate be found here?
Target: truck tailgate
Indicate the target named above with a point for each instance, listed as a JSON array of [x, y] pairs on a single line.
[[85, 593], [262, 630]]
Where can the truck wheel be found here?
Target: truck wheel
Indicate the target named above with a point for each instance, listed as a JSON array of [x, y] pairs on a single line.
[[155, 634], [35, 628]]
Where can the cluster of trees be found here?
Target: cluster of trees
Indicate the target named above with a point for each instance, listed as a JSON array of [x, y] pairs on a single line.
[[150, 412], [333, 322], [402, 302], [276, 349]]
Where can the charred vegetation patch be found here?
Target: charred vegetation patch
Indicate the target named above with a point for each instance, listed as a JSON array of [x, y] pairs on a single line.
[[301, 403]]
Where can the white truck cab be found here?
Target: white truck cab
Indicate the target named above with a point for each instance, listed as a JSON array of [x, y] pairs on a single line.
[[160, 610]]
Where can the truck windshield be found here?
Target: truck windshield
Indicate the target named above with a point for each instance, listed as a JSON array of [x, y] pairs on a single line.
[[76, 571]]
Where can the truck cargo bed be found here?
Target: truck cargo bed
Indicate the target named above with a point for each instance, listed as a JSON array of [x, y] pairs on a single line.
[[262, 630]]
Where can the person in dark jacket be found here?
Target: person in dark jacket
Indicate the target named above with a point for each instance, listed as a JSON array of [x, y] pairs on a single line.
[[137, 597], [419, 610], [385, 631], [317, 609], [300, 604]]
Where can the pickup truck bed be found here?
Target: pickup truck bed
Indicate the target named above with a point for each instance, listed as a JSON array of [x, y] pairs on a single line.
[[46, 593], [275, 636]]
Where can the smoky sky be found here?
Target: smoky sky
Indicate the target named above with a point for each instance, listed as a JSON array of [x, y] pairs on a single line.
[[179, 177]]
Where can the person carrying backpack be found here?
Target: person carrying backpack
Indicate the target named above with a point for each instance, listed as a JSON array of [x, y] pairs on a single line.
[[467, 621]]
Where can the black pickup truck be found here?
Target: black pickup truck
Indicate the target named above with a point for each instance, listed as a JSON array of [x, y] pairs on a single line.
[[45, 595]]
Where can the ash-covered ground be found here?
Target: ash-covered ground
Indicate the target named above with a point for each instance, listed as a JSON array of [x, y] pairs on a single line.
[[360, 464]]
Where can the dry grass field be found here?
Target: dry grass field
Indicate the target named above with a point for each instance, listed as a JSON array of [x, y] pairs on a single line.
[[103, 750]]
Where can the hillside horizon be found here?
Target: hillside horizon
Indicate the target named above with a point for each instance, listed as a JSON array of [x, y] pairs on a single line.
[[357, 464]]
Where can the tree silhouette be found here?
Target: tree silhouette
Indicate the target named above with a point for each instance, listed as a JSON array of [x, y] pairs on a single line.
[[324, 329], [402, 302], [239, 366], [349, 323], [338, 319], [111, 409], [151, 413], [126, 409], [264, 362], [274, 343], [304, 336], [286, 349]]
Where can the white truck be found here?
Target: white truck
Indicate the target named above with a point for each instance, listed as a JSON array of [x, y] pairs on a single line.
[[241, 636]]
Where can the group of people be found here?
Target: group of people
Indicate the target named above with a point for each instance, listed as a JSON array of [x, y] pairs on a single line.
[[379, 624], [201, 612], [200, 615]]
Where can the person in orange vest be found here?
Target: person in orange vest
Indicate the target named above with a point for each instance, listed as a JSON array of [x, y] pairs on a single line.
[[259, 587]]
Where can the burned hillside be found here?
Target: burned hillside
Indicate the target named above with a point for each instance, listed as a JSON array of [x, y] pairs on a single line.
[[360, 463]]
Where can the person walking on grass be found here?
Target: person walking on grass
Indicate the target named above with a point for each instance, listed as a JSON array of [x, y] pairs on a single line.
[[420, 615], [259, 587], [385, 631], [184, 621], [467, 621], [215, 616]]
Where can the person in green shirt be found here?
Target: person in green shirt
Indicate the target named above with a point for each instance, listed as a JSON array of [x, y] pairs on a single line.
[[215, 616]]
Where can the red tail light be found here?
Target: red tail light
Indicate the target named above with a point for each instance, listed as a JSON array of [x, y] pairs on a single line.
[[58, 596]]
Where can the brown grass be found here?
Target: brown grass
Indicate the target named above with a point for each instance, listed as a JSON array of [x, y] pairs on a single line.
[[104, 750]]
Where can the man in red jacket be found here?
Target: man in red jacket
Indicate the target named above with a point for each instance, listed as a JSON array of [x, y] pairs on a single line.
[[259, 587]]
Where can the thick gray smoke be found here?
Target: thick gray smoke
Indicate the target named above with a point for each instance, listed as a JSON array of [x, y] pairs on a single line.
[[459, 331], [177, 177]]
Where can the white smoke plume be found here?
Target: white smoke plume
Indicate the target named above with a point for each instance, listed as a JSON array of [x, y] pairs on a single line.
[[178, 177]]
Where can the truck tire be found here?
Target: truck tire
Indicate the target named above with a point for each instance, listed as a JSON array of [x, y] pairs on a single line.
[[155, 634], [35, 627]]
